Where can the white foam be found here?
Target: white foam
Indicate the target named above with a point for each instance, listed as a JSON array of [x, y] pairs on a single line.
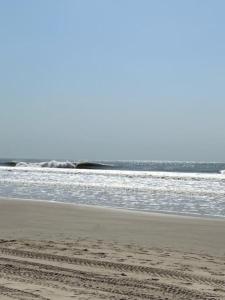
[[159, 191], [48, 164]]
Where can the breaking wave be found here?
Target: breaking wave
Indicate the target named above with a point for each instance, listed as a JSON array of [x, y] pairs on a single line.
[[222, 172], [48, 164], [59, 164]]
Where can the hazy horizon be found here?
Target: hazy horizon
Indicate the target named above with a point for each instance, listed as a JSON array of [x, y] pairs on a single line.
[[112, 80], [74, 159]]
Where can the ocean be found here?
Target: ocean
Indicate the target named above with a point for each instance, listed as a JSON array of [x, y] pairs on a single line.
[[183, 188]]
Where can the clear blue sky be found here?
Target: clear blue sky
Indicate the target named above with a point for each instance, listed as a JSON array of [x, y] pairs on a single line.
[[119, 79]]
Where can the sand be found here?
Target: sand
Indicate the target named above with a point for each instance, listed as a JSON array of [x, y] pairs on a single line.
[[57, 251]]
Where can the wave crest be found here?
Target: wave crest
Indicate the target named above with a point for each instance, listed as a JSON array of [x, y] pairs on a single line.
[[60, 164], [48, 164]]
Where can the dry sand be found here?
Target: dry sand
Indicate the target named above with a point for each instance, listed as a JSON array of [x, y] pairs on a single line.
[[56, 251]]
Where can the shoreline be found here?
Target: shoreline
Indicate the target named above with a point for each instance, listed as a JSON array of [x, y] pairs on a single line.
[[42, 219], [116, 209]]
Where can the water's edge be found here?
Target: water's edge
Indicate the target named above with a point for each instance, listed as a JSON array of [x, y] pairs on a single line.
[[115, 209]]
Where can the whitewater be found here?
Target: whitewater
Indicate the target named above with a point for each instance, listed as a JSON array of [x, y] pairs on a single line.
[[170, 187]]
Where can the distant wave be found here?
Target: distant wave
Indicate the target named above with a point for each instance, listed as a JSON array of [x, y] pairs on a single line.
[[58, 164], [9, 163], [90, 165], [143, 166], [48, 164]]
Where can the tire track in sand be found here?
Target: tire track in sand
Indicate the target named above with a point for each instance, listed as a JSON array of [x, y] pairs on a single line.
[[19, 294], [121, 267], [99, 278]]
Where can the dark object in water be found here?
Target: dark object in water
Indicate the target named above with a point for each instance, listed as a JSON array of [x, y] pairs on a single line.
[[90, 165], [10, 163]]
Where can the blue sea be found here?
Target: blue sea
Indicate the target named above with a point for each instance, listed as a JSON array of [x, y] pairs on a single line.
[[183, 188]]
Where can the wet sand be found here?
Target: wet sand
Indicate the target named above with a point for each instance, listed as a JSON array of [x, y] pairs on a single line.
[[57, 251]]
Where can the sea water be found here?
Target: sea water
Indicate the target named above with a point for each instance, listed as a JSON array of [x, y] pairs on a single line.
[[188, 188]]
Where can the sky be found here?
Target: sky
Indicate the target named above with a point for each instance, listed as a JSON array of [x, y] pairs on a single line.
[[112, 79]]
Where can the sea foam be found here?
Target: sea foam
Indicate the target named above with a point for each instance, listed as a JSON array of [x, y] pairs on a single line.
[[62, 164], [48, 164]]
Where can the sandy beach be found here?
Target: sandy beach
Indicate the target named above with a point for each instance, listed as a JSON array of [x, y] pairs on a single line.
[[57, 251]]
